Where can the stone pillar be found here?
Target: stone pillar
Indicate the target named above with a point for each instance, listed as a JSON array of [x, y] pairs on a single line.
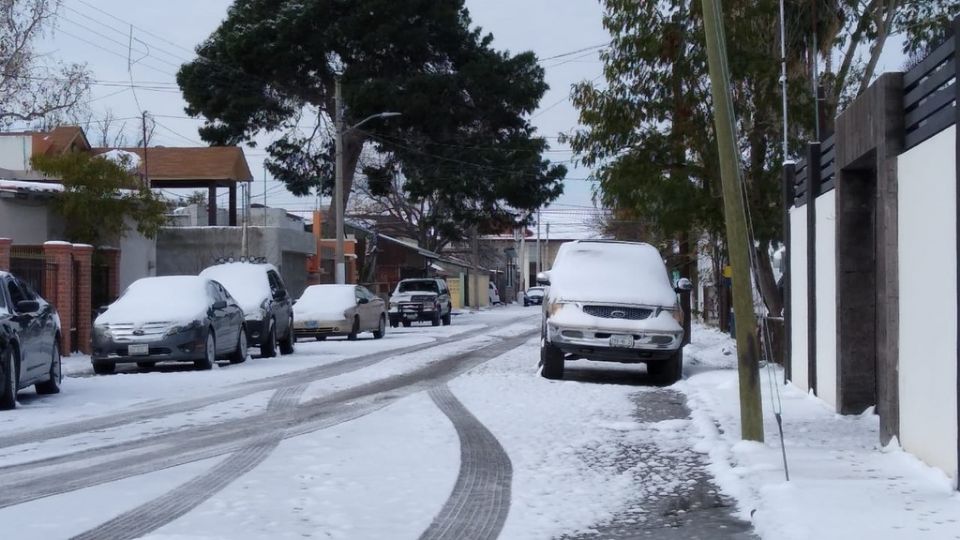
[[58, 287], [233, 204], [212, 205], [83, 256], [5, 244]]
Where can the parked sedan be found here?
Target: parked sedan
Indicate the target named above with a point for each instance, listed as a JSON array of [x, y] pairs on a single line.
[[267, 305], [533, 296], [29, 342], [339, 310], [170, 319]]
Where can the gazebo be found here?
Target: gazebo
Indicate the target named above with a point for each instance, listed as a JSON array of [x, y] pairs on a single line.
[[195, 168]]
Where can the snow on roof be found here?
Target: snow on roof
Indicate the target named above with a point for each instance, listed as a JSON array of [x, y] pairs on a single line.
[[324, 302], [30, 187], [125, 159], [614, 272], [246, 282], [168, 299]]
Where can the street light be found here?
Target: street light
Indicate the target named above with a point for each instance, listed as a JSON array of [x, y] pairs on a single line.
[[341, 271]]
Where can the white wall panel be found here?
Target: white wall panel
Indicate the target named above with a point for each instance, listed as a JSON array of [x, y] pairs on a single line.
[[827, 298], [798, 296]]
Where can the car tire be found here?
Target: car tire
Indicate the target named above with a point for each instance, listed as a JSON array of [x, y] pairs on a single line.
[[381, 328], [8, 384], [287, 343], [104, 368], [551, 361], [448, 316], [52, 386], [239, 355], [146, 365], [355, 331], [435, 321], [209, 352], [321, 338], [406, 324], [268, 343], [667, 372]]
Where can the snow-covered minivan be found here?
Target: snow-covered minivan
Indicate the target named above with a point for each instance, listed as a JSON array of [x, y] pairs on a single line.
[[612, 301]]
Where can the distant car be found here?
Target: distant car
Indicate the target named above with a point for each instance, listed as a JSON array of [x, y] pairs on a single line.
[[533, 296], [169, 319], [493, 293], [29, 342], [426, 299], [613, 302], [339, 310], [267, 305]]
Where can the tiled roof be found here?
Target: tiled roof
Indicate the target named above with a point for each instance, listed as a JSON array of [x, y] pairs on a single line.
[[59, 140], [224, 163]]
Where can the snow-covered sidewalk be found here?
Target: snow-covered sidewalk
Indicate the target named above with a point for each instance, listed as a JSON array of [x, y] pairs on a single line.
[[843, 483]]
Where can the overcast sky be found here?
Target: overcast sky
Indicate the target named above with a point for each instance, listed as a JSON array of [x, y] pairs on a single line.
[[97, 32]]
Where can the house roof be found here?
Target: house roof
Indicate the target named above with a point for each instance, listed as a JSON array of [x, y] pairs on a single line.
[[205, 163], [59, 140]]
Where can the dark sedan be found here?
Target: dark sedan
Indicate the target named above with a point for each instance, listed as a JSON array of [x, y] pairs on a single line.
[[29, 342], [170, 319], [533, 296]]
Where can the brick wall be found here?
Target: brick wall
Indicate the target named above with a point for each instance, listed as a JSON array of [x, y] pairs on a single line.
[[5, 244], [83, 257], [58, 284]]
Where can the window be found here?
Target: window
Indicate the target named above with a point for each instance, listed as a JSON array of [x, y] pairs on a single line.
[[213, 292], [16, 293], [276, 284]]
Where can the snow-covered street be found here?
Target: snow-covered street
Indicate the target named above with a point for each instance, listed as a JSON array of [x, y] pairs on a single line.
[[443, 432]]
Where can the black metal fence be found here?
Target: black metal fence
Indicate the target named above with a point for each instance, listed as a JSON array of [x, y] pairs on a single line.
[[930, 94]]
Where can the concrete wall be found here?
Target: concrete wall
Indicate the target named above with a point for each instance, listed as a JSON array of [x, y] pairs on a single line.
[[928, 301], [138, 257], [827, 298], [188, 250], [798, 296], [29, 220], [15, 152]]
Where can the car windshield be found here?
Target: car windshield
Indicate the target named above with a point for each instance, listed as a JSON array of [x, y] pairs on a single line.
[[160, 299], [535, 291], [316, 296], [417, 286], [614, 272]]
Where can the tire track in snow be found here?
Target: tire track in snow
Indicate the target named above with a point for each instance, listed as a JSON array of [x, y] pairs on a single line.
[[238, 390], [23, 483], [156, 513], [480, 501]]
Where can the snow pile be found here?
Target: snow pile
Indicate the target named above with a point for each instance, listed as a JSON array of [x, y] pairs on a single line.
[[324, 302], [172, 299], [709, 348], [617, 273], [127, 160], [843, 483], [247, 283]]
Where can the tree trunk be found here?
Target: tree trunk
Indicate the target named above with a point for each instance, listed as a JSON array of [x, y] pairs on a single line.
[[352, 148], [766, 282]]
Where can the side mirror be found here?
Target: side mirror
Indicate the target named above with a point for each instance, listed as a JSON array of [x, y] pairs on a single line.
[[220, 304], [102, 309], [684, 285], [363, 301], [28, 306], [543, 278], [280, 295]]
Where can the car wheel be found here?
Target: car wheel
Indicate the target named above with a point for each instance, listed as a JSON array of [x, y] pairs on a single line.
[[146, 365], [8, 384], [104, 368], [268, 343], [381, 328], [240, 354], [321, 338], [551, 361], [286, 344], [667, 372], [447, 317], [406, 324], [52, 386], [435, 321], [352, 336], [209, 352]]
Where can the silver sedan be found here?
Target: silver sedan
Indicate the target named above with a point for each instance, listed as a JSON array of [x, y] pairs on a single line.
[[339, 310]]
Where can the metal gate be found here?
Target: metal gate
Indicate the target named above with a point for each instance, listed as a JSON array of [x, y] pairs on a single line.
[[28, 264]]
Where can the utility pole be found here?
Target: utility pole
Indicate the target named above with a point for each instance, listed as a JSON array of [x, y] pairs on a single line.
[[539, 269], [341, 270], [475, 279], [146, 170], [522, 258], [546, 249], [264, 196], [738, 239]]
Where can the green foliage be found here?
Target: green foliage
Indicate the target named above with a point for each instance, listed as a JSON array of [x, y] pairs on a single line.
[[463, 141], [99, 195], [926, 24]]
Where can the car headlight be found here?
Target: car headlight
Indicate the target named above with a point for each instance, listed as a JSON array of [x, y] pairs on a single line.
[[176, 329], [102, 331], [554, 307]]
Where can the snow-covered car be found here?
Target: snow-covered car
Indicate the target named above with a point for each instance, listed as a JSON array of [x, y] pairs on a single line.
[[611, 301], [533, 296], [169, 319], [339, 310], [426, 299], [29, 342], [493, 294], [267, 306]]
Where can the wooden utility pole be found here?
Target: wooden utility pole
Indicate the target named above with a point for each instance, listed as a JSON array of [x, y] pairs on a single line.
[[738, 239], [475, 278], [146, 169]]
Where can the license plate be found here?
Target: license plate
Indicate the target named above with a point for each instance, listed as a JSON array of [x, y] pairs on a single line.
[[138, 349], [311, 324], [623, 342]]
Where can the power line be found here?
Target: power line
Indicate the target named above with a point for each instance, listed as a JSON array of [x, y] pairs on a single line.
[[125, 33], [115, 53], [112, 16], [112, 40]]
